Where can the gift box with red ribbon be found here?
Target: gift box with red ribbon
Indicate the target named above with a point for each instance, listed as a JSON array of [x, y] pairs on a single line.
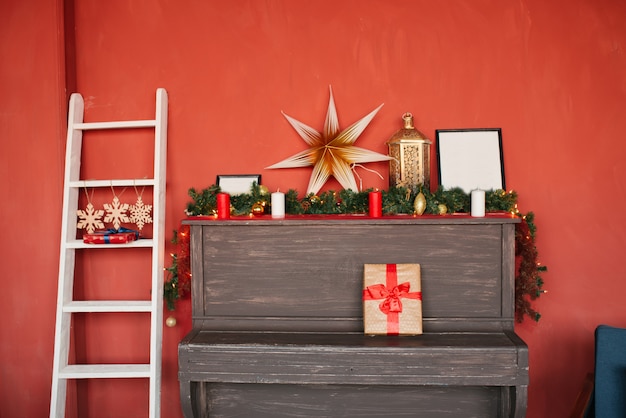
[[111, 236], [392, 299]]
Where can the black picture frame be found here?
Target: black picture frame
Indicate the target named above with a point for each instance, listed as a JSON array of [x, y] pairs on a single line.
[[235, 184], [470, 159]]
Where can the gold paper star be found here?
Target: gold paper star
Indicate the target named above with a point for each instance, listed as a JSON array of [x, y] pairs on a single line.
[[331, 152]]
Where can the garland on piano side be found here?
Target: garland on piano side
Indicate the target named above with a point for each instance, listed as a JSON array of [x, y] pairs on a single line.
[[396, 200]]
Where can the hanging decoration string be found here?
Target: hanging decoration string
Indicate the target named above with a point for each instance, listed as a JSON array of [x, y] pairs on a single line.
[[353, 168]]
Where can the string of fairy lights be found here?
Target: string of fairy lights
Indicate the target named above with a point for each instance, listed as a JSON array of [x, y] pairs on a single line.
[[395, 201]]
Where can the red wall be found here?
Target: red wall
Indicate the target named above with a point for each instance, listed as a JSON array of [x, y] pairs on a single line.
[[550, 74], [32, 114]]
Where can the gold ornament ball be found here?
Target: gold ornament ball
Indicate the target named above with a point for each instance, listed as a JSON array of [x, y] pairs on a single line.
[[443, 209], [419, 204], [315, 199], [263, 190], [170, 321], [258, 209]]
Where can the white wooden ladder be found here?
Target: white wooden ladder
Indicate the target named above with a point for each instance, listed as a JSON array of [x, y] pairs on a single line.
[[66, 306]]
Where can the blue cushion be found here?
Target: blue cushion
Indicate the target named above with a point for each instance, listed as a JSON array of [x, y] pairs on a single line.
[[610, 372]]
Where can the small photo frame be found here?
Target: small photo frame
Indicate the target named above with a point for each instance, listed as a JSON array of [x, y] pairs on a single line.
[[470, 159], [235, 184]]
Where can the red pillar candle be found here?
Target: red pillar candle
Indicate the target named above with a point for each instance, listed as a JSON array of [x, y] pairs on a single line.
[[376, 204], [223, 206]]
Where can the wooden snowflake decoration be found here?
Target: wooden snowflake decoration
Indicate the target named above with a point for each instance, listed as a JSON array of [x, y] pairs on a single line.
[[140, 213], [331, 152], [90, 219], [116, 212]]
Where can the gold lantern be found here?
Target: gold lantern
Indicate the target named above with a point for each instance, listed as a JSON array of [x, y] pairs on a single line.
[[410, 151]]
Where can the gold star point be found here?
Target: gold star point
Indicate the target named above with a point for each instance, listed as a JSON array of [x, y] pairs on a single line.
[[332, 151]]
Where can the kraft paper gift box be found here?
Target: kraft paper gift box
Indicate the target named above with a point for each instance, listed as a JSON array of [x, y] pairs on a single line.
[[392, 299]]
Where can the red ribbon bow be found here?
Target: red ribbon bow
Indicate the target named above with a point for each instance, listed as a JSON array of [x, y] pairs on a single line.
[[391, 302]]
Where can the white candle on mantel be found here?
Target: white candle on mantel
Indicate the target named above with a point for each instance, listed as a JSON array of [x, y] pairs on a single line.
[[278, 204], [478, 203]]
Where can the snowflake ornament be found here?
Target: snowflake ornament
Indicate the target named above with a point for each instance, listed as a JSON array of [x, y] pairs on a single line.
[[90, 219], [140, 213], [116, 212]]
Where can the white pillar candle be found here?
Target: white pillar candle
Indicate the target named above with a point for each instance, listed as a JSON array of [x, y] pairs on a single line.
[[278, 205], [478, 203]]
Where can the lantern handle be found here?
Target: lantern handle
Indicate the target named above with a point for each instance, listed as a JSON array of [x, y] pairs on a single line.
[[408, 121]]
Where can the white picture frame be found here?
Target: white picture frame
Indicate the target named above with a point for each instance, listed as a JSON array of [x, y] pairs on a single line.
[[235, 184], [470, 159]]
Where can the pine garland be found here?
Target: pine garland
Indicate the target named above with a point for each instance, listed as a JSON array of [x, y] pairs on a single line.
[[178, 283], [396, 200], [528, 281]]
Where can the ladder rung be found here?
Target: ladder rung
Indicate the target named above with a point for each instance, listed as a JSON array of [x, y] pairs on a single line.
[[114, 183], [140, 243], [108, 306], [92, 371], [85, 126]]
